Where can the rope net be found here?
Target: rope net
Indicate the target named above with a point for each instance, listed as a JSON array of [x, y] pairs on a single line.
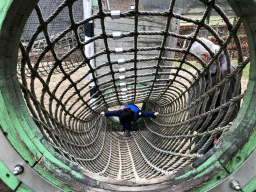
[[56, 77]]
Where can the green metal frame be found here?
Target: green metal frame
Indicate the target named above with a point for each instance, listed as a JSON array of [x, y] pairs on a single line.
[[23, 134]]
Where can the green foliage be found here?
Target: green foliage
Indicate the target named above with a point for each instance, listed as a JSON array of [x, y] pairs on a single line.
[[246, 69]]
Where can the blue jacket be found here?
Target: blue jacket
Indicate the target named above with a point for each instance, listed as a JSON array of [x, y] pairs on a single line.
[[137, 111]]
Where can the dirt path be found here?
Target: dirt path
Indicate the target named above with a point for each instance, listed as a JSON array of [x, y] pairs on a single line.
[[65, 94]]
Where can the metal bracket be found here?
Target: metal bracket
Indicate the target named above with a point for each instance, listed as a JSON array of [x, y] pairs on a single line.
[[120, 61], [12, 160], [132, 7], [122, 84], [121, 70], [243, 175], [117, 35], [122, 77], [115, 14], [119, 50]]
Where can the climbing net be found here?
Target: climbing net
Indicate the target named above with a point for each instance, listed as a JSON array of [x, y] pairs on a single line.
[[54, 76]]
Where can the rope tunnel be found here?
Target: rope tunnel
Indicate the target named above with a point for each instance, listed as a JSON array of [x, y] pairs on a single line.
[[53, 87]]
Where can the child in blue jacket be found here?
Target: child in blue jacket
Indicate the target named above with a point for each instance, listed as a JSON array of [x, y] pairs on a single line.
[[129, 114]]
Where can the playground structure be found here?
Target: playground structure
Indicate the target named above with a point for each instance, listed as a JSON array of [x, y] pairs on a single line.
[[52, 134]]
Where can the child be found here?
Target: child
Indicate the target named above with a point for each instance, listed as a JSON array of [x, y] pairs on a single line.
[[130, 113]]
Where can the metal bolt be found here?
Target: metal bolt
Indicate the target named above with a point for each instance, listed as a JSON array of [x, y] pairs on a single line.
[[234, 184], [18, 169]]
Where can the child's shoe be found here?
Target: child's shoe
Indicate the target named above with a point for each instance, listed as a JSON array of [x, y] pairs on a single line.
[[128, 133], [122, 129]]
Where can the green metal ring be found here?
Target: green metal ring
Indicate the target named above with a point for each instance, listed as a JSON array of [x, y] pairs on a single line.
[[25, 137]]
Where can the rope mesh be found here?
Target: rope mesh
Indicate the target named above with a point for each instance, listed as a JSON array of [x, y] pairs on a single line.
[[56, 87]]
